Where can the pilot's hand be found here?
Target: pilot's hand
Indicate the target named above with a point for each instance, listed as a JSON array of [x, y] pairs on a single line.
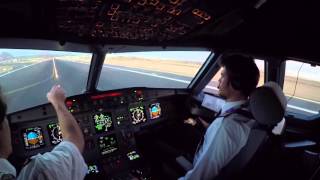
[[193, 122], [56, 96], [5, 142], [190, 121]]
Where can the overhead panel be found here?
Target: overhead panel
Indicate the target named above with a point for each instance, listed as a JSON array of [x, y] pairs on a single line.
[[144, 20]]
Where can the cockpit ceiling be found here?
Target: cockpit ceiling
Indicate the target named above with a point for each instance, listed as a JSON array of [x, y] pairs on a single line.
[[144, 20], [113, 20], [268, 27]]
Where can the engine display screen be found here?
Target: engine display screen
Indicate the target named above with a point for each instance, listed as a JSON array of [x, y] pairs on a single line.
[[33, 138], [54, 133], [138, 115], [93, 169], [102, 122], [155, 111], [107, 144]]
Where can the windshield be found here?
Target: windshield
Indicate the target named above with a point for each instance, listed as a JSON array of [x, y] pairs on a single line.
[[156, 69], [27, 75]]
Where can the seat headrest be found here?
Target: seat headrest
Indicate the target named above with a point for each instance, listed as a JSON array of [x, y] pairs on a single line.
[[268, 104]]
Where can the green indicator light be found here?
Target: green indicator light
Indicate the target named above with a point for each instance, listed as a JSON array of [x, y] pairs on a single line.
[[99, 127]]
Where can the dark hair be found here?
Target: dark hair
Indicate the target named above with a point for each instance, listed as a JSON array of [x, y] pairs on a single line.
[[242, 71], [3, 109]]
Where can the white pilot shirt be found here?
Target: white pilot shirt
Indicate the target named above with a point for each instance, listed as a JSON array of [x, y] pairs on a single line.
[[222, 141], [63, 162]]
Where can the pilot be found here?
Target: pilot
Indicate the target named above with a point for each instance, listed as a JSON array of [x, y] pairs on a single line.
[[65, 161], [226, 135]]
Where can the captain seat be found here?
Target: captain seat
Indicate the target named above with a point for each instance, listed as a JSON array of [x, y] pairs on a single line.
[[267, 105]]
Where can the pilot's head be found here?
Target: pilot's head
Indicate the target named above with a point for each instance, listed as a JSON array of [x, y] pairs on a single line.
[[239, 76]]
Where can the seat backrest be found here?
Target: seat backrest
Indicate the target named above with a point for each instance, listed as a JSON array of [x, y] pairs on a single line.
[[267, 105]]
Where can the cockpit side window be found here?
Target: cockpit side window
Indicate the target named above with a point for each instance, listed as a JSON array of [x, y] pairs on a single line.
[[212, 86], [302, 87]]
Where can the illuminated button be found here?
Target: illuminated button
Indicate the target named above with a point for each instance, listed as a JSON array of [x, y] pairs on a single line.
[[69, 103]]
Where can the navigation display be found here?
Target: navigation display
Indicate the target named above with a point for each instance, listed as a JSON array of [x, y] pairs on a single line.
[[33, 138], [155, 111], [55, 133], [102, 122], [137, 114], [107, 144]]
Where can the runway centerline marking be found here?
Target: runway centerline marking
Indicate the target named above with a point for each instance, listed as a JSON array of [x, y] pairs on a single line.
[[55, 74]]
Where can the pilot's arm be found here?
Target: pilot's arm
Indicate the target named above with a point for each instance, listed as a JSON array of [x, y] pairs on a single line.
[[65, 161], [6, 169], [69, 126]]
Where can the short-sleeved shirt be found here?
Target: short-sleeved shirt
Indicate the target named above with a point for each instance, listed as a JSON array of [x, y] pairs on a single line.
[[63, 162]]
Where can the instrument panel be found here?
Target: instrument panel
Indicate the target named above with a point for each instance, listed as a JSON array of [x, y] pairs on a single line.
[[109, 122]]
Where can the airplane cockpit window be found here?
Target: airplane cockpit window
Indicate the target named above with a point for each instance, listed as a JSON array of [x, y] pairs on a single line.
[[156, 69], [301, 87], [27, 75], [212, 86]]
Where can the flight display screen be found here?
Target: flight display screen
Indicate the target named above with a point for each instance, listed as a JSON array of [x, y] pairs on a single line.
[[55, 133], [93, 169], [33, 137], [155, 111], [102, 122], [107, 144], [138, 115]]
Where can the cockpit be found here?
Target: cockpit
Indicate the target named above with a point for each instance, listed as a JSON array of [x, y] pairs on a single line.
[[137, 93], [134, 72]]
